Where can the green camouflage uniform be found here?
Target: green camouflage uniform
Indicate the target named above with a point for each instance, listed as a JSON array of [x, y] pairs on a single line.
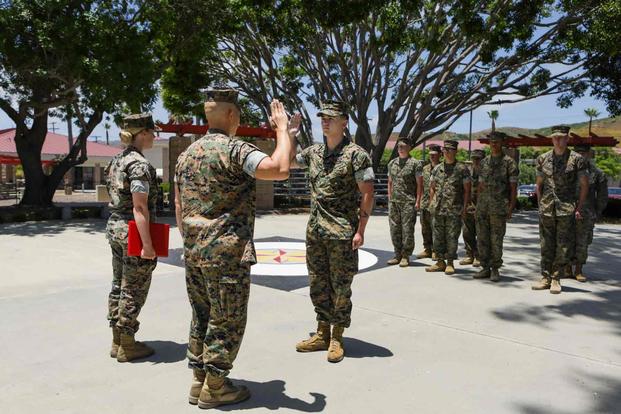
[[127, 173], [593, 207], [557, 207], [469, 230], [215, 176], [402, 206], [333, 222], [447, 206], [425, 216], [496, 174]]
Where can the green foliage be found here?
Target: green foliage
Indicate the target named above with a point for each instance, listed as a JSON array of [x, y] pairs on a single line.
[[609, 162], [528, 174], [526, 203]]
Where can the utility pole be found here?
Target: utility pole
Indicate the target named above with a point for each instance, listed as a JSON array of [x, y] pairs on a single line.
[[470, 137], [53, 127], [95, 136]]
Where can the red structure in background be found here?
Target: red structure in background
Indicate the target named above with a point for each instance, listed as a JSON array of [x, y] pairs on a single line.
[[8, 160], [262, 132], [543, 141]]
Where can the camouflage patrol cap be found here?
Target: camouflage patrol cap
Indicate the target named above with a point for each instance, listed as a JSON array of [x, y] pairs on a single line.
[[478, 153], [333, 108], [560, 130], [405, 140], [227, 95], [581, 148], [135, 121], [497, 136], [450, 144], [434, 149]]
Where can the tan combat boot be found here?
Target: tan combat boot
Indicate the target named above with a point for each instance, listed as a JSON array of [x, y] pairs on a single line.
[[395, 260], [198, 381], [555, 287], [425, 254], [543, 284], [438, 266], [482, 274], [494, 275], [320, 341], [580, 277], [450, 268], [434, 256], [221, 391], [468, 260], [336, 353], [131, 349], [405, 262], [476, 262], [116, 342]]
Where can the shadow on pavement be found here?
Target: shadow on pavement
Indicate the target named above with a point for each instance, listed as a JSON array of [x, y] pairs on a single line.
[[166, 352], [604, 393], [355, 348], [271, 395], [53, 227]]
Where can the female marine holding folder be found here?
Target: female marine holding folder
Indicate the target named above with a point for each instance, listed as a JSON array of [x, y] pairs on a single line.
[[132, 185]]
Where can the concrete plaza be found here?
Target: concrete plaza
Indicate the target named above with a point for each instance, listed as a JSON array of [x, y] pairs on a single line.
[[419, 342]]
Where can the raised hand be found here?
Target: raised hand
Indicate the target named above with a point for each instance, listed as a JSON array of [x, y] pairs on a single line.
[[294, 125], [278, 117]]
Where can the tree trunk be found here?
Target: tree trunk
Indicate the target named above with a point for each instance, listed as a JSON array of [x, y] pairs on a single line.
[[590, 122]]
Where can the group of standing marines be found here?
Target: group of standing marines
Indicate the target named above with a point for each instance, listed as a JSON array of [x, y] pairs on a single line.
[[215, 193], [479, 199]]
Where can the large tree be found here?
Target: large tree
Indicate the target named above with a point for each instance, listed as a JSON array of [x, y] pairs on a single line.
[[417, 66]]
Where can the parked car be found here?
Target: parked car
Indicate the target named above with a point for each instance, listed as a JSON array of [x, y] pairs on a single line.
[[614, 193], [527, 190]]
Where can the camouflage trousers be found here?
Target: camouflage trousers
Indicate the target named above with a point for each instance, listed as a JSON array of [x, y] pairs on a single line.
[[426, 222], [584, 237], [402, 219], [558, 236], [446, 230], [491, 229], [469, 233], [219, 301], [332, 265], [131, 279]]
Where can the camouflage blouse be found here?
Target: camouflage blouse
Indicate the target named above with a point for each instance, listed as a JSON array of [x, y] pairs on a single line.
[[449, 180], [333, 177], [496, 174], [127, 169], [403, 174], [424, 204], [217, 201], [597, 198], [560, 175]]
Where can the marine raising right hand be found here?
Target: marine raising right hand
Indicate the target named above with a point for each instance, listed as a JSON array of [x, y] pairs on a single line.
[[278, 118]]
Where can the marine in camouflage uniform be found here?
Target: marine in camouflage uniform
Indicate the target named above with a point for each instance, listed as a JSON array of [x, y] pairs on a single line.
[[405, 193], [592, 209], [450, 189], [469, 230], [557, 178], [217, 188], [334, 177], [215, 179], [498, 179], [127, 173], [425, 215]]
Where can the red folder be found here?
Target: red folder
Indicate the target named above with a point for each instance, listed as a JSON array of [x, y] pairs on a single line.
[[159, 238]]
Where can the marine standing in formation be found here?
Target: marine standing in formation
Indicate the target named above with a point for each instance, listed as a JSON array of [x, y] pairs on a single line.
[[592, 209], [469, 230], [449, 197], [132, 185], [338, 171], [405, 188], [559, 172], [425, 214], [498, 178], [215, 193]]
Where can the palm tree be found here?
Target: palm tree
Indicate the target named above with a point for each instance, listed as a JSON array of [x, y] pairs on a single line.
[[493, 114], [107, 127], [591, 113]]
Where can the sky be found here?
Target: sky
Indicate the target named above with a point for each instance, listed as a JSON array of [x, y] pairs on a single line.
[[537, 113]]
